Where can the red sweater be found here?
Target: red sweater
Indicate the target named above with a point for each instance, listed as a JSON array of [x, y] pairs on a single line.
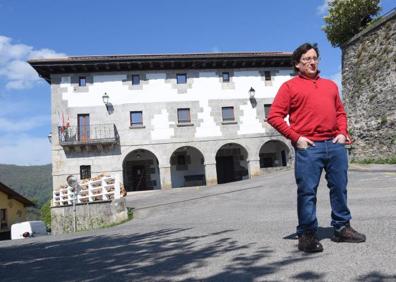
[[314, 108]]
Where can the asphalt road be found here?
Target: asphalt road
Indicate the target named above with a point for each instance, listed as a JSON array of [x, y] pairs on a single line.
[[241, 231]]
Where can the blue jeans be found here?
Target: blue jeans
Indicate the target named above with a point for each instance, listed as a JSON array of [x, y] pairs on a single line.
[[308, 168]]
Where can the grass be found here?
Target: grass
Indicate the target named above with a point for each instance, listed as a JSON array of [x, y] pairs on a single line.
[[391, 160], [130, 217]]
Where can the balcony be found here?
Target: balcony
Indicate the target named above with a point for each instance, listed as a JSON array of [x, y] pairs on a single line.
[[97, 135]]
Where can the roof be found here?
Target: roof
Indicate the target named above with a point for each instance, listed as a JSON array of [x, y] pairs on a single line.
[[88, 64], [14, 195]]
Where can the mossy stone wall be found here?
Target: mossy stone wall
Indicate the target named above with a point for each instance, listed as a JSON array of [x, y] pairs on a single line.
[[369, 90]]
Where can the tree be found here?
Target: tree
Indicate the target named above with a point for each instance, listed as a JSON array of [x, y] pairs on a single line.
[[46, 213], [347, 18]]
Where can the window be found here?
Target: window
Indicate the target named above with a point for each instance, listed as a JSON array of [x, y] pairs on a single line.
[[267, 75], [137, 118], [85, 172], [3, 218], [227, 113], [82, 81], [183, 115], [181, 160], [267, 108], [181, 78], [226, 76], [135, 79]]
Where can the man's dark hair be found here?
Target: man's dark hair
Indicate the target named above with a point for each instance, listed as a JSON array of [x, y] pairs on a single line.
[[302, 49]]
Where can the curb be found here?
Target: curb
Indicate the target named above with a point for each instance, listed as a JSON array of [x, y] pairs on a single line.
[[373, 168]]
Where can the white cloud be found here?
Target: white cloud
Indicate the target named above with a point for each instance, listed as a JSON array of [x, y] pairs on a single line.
[[29, 123], [18, 149], [322, 9], [14, 69]]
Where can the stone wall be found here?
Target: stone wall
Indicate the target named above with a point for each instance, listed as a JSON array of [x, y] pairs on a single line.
[[89, 216], [369, 88]]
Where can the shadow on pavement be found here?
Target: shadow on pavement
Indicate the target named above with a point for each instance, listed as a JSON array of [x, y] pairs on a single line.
[[322, 233], [164, 255]]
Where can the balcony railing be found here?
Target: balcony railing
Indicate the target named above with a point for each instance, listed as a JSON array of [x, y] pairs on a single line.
[[88, 135]]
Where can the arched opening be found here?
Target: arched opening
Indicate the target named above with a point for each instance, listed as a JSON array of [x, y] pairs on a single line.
[[231, 163], [187, 167], [274, 153], [141, 171]]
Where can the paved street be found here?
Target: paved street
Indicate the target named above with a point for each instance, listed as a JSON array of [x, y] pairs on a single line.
[[241, 231]]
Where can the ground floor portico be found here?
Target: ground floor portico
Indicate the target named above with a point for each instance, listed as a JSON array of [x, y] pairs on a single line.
[[201, 163], [177, 164]]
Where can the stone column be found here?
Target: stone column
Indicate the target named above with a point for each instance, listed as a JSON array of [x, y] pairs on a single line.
[[254, 167], [166, 180], [210, 174]]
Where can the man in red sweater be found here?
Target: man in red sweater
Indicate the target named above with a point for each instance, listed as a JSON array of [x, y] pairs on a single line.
[[318, 131]]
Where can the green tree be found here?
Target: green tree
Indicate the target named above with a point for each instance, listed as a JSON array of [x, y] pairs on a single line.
[[347, 18], [46, 213]]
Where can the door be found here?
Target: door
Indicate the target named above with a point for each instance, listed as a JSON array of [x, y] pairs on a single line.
[[139, 178], [225, 169], [83, 127]]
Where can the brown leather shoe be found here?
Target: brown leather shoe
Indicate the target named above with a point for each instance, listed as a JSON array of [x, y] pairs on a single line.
[[309, 243], [349, 235]]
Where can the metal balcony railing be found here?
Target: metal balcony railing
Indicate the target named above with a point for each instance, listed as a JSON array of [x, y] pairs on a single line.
[[88, 135]]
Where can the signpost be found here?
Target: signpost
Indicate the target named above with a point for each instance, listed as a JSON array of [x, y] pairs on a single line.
[[72, 182]]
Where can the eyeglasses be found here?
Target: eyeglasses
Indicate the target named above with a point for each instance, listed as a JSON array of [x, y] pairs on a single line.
[[308, 59]]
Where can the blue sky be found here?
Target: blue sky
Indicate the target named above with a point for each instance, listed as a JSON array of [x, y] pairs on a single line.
[[48, 28]]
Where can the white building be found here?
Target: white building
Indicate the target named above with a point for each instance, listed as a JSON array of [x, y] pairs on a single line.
[[162, 121]]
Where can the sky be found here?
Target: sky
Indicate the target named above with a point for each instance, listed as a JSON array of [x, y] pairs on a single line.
[[49, 28]]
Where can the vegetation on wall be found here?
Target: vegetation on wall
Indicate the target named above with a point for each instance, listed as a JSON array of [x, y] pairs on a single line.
[[347, 18], [46, 213]]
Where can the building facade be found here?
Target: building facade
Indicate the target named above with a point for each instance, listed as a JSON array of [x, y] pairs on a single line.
[[12, 209], [165, 121]]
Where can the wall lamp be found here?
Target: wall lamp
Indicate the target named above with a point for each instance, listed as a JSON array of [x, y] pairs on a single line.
[[105, 99], [252, 92]]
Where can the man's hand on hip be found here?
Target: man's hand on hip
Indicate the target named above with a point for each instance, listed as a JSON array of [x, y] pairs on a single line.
[[340, 138], [304, 142]]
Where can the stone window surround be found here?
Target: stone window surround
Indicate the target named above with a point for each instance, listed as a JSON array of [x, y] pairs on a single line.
[[225, 85], [142, 81], [228, 121], [171, 78], [75, 82], [264, 76], [135, 125]]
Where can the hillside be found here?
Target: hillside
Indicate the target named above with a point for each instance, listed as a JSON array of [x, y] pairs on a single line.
[[33, 182]]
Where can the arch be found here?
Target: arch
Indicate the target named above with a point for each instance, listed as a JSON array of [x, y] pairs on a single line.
[[141, 171], [231, 163], [187, 167], [274, 153]]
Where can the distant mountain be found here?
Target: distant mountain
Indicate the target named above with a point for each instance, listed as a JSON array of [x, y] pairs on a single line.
[[32, 182]]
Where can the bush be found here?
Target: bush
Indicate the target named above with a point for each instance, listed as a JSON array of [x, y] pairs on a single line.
[[346, 18]]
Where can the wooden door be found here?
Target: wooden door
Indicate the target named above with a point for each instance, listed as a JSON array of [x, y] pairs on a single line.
[[83, 127]]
